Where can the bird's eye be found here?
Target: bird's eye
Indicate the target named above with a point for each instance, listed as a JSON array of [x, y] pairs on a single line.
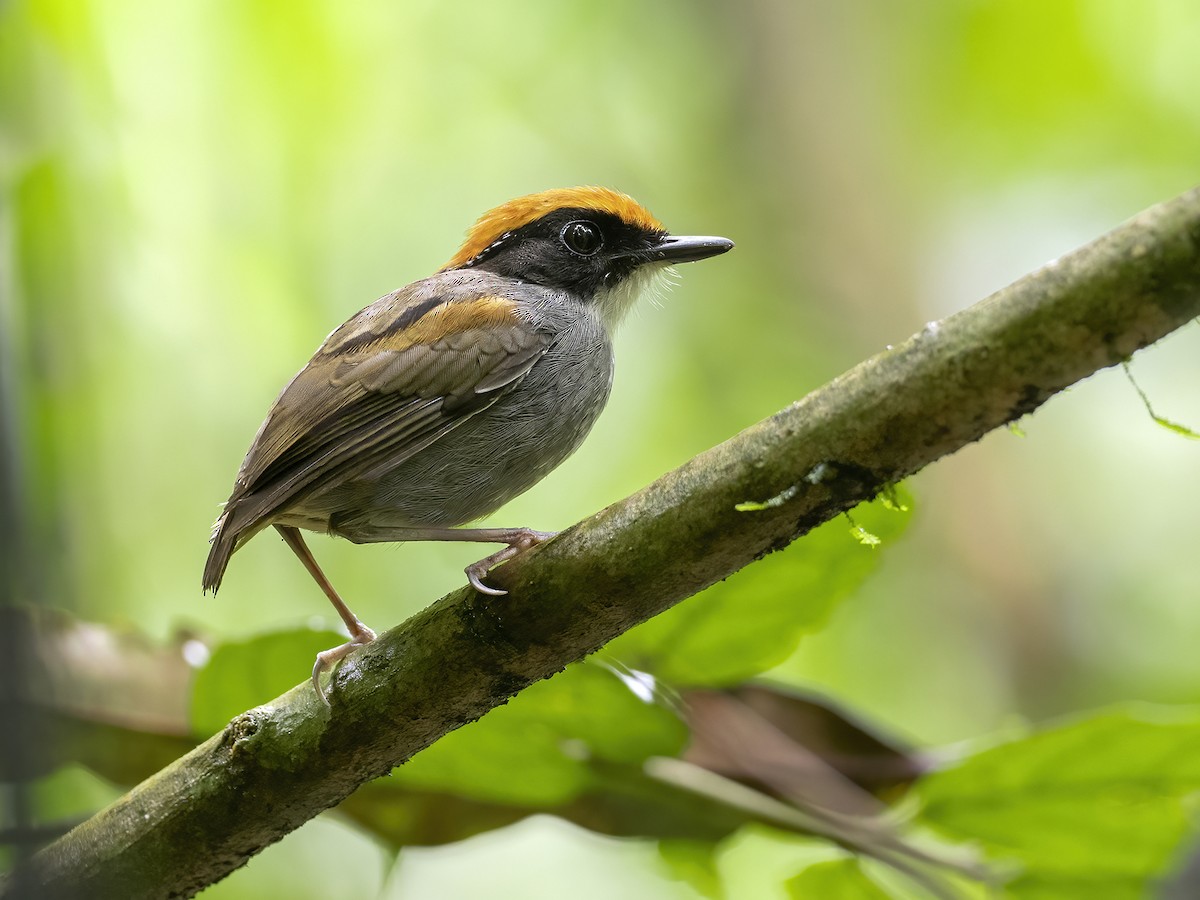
[[583, 238]]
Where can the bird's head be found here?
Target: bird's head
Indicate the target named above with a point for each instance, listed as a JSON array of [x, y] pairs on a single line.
[[598, 244]]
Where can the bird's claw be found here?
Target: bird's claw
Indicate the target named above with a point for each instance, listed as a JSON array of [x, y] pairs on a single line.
[[522, 539], [475, 575], [327, 659]]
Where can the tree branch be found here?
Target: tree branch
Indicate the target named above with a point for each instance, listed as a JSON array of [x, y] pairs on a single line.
[[277, 766]]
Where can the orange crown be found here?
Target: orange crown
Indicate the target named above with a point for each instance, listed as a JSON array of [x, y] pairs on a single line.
[[514, 214]]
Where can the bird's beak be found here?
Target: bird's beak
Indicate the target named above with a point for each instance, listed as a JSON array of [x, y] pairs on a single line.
[[673, 249]]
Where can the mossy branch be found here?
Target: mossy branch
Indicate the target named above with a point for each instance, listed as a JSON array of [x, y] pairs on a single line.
[[275, 767]]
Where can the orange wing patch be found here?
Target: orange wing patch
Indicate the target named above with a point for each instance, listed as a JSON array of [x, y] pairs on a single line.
[[453, 318], [520, 212]]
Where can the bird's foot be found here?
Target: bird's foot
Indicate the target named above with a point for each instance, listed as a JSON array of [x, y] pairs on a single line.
[[517, 539], [360, 634]]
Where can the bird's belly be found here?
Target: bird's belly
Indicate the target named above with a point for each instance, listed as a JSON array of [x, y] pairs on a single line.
[[480, 466]]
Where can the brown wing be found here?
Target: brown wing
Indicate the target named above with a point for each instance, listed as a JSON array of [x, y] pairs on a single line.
[[385, 385]]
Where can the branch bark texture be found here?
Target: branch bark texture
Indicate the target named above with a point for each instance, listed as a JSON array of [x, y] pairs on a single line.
[[278, 765]]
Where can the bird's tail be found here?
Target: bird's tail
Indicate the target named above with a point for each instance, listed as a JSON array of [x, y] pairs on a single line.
[[224, 542]]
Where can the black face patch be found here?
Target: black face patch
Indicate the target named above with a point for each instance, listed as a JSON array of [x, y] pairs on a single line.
[[579, 250]]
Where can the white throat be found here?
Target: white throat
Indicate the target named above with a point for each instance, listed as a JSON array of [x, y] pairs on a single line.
[[614, 304]]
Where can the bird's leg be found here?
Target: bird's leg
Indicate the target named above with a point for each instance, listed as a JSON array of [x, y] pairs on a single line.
[[516, 539], [359, 633]]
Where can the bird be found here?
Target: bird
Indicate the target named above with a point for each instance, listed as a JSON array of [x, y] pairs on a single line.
[[441, 401]]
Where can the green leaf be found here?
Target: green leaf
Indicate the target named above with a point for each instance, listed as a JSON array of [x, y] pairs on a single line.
[[754, 620], [1079, 886], [620, 800], [835, 879], [244, 674], [537, 748], [398, 817], [70, 793], [864, 537], [695, 864], [1102, 799]]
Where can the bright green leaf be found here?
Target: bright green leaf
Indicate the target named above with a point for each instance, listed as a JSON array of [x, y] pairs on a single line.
[[536, 749], [695, 864], [755, 619], [864, 537], [834, 879], [1078, 886], [72, 792], [244, 674], [1103, 799]]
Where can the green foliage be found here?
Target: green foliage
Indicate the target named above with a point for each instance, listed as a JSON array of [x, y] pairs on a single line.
[[754, 620], [535, 750], [693, 863], [864, 537], [834, 879], [70, 793], [538, 749], [1099, 801], [1096, 806], [243, 674]]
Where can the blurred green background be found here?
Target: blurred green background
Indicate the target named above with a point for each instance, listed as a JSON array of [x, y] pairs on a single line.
[[195, 193]]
